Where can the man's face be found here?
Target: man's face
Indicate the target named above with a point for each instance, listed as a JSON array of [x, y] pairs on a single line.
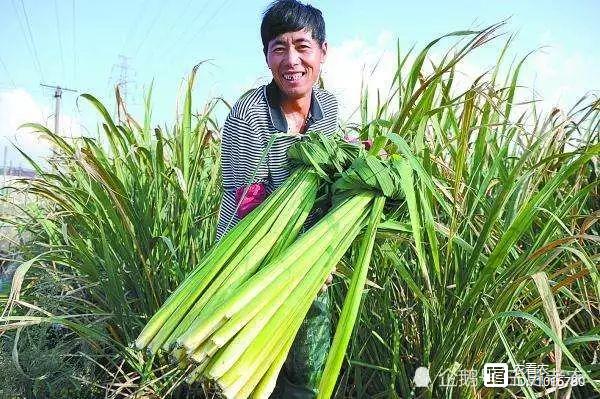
[[295, 61]]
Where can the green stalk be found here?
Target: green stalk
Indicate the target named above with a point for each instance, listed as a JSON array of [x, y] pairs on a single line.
[[233, 361], [205, 325], [205, 350], [178, 356], [179, 321], [196, 374], [254, 387], [214, 259], [196, 287], [247, 261], [268, 299], [290, 233], [351, 304], [289, 317], [262, 309], [266, 385], [239, 382], [209, 347]]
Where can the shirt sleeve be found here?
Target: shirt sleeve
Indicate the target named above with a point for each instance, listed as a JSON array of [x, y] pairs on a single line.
[[244, 164]]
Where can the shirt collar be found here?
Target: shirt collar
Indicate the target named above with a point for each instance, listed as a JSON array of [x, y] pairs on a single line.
[[278, 120]]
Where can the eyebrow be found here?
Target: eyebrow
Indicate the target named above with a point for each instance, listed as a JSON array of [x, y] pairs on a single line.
[[278, 42]]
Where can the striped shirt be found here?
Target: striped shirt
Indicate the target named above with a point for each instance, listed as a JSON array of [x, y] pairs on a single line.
[[252, 122]]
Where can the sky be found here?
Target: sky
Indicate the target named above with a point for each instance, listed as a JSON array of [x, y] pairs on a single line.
[[90, 45]]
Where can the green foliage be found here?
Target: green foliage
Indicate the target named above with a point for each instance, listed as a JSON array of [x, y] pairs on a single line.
[[124, 220], [47, 360], [495, 202]]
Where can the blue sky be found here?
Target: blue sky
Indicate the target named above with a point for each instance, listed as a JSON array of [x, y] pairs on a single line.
[[77, 44]]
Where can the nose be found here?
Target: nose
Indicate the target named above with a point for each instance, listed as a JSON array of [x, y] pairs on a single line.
[[292, 57]]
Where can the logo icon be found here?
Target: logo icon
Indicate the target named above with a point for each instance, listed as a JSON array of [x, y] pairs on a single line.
[[421, 378], [495, 375]]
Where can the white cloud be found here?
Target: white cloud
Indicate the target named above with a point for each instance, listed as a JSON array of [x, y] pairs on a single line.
[[16, 108], [559, 76], [353, 62], [356, 61]]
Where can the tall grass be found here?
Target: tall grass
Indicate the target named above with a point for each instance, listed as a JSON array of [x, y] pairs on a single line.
[[121, 222], [491, 257]]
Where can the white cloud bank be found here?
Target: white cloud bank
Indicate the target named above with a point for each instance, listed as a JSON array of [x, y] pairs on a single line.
[[558, 75], [354, 61], [17, 107]]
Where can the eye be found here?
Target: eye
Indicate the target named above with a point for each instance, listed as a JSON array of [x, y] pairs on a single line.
[[277, 50]]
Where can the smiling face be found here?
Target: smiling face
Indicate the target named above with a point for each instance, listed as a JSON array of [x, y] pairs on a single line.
[[294, 59]]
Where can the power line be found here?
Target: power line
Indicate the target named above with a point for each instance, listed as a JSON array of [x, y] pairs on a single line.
[[145, 37], [37, 59], [184, 33], [60, 47], [209, 20], [8, 73], [74, 47], [131, 30], [180, 16], [26, 39]]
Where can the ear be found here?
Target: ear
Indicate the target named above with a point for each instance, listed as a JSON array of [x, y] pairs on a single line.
[[324, 50]]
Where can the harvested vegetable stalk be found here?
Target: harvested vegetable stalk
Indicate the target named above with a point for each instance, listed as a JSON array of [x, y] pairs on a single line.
[[256, 240], [238, 255], [277, 298], [243, 341], [351, 304]]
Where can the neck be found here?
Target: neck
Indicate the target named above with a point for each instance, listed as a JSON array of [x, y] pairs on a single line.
[[296, 105]]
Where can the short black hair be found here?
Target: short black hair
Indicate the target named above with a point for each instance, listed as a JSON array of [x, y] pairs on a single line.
[[284, 16]]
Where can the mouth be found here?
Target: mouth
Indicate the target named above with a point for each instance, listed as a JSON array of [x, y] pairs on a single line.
[[293, 77]]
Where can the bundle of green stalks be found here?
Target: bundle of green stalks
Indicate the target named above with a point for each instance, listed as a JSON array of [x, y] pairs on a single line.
[[240, 342], [256, 240], [258, 237]]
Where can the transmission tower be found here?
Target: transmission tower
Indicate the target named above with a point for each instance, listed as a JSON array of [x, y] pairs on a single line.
[[123, 78]]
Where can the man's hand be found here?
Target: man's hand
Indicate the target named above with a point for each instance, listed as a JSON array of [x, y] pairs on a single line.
[[327, 283], [367, 144]]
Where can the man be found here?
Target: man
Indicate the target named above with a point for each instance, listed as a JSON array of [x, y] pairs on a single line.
[[293, 37]]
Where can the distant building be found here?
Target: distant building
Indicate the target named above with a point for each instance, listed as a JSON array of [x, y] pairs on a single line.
[[10, 173], [17, 172]]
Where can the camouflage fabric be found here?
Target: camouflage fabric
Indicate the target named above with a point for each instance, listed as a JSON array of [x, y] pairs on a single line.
[[301, 372]]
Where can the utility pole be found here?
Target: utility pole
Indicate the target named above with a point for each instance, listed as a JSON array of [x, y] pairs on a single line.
[[57, 97]]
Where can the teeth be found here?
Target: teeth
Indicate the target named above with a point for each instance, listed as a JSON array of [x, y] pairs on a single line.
[[293, 76]]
